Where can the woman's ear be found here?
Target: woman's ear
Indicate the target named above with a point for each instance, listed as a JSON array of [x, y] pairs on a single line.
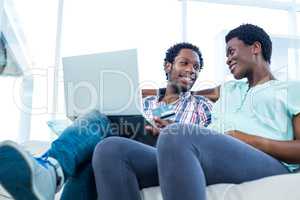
[[257, 47]]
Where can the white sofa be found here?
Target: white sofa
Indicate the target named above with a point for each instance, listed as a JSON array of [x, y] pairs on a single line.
[[283, 187]]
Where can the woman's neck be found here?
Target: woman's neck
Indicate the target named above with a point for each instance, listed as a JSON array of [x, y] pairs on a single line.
[[260, 75]]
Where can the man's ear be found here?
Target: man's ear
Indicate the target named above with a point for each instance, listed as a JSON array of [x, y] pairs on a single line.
[[256, 48], [168, 67]]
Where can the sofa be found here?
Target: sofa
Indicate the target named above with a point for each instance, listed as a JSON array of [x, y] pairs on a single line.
[[282, 187]]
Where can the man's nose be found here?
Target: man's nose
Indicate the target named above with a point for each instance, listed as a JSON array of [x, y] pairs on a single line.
[[190, 68]]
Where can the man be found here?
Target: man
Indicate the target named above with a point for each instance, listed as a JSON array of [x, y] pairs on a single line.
[[68, 159], [260, 118]]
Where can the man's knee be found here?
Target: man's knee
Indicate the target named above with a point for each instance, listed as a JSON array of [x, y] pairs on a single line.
[[93, 116], [94, 122]]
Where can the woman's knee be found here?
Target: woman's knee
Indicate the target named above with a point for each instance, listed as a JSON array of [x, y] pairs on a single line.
[[186, 130], [170, 139], [178, 137], [107, 152]]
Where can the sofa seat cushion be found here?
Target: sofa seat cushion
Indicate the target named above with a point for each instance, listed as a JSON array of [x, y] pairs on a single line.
[[281, 187]]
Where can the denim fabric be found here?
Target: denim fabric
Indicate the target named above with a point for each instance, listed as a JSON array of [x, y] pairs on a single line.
[[76, 144], [187, 159], [81, 186]]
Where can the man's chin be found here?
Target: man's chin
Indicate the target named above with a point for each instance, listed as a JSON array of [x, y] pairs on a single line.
[[178, 88], [184, 88]]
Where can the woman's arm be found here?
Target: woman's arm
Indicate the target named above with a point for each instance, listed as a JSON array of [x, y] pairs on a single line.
[[287, 151]]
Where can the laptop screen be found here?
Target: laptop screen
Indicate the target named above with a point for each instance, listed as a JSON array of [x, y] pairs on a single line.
[[108, 82]]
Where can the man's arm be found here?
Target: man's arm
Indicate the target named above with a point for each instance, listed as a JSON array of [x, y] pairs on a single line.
[[287, 151], [160, 123], [212, 94]]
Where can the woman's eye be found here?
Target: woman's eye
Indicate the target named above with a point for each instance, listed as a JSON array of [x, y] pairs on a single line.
[[183, 63]]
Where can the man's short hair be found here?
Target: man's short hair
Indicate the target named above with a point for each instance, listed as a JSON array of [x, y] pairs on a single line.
[[174, 50], [249, 34]]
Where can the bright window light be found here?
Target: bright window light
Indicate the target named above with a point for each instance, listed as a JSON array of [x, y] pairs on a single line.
[[208, 23], [91, 26]]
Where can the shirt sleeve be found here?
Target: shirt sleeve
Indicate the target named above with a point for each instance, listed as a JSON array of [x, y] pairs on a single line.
[[294, 97], [204, 111], [148, 104]]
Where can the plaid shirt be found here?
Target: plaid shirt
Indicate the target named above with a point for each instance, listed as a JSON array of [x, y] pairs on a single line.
[[189, 108]]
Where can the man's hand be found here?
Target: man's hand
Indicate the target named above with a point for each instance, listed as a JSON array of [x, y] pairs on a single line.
[[160, 123]]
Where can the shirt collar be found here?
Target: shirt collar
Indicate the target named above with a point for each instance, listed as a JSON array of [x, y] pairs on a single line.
[[162, 92]]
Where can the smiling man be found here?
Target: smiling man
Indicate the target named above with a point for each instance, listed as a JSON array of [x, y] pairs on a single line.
[[182, 65]]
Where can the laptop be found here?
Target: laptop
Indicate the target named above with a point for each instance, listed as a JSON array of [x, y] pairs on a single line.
[[108, 82]]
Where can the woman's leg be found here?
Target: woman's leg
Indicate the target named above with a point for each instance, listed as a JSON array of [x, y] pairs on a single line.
[[190, 157], [122, 167]]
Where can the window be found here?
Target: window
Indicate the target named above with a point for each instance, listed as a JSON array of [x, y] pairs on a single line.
[[208, 23], [37, 21], [91, 26], [100, 26]]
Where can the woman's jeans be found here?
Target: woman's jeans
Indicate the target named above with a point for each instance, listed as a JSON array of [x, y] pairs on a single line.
[[186, 160]]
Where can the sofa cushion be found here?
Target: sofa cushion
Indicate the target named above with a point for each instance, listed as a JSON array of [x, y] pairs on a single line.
[[275, 188]]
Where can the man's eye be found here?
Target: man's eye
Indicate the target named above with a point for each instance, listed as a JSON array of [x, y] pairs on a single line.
[[197, 67]]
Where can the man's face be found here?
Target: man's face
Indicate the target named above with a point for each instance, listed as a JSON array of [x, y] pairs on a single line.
[[239, 58], [183, 72]]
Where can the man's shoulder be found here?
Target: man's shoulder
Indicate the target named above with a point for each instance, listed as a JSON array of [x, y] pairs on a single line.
[[201, 99]]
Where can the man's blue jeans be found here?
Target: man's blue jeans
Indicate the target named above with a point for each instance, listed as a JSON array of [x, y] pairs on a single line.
[[74, 150], [187, 158]]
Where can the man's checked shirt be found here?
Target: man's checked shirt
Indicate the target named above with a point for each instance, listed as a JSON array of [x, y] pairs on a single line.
[[188, 108]]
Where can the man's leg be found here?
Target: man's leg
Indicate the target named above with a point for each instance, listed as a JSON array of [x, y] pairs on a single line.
[[76, 144], [82, 186], [22, 177], [73, 148], [122, 167], [189, 158]]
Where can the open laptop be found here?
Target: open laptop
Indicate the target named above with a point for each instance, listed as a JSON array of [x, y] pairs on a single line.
[[108, 82]]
